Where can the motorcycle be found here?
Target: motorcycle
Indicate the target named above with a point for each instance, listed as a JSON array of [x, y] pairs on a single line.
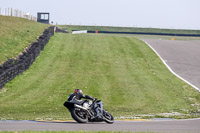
[[89, 111]]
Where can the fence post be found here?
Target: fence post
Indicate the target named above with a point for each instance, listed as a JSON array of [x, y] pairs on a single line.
[[11, 12], [20, 13], [16, 13], [5, 11]]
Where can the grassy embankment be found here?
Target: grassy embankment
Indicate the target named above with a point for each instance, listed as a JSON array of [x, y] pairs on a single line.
[[128, 29], [122, 71], [134, 29], [16, 34]]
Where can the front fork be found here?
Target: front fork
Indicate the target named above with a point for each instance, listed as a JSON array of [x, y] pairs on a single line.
[[99, 109]]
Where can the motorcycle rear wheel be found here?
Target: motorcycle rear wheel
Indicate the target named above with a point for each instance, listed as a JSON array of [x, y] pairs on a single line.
[[108, 117], [79, 116]]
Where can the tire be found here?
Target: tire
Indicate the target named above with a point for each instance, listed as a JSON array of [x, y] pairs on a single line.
[[78, 116], [108, 117]]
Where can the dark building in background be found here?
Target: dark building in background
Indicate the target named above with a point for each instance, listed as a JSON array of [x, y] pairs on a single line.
[[43, 17]]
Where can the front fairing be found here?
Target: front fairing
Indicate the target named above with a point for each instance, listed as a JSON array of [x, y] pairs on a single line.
[[69, 105]]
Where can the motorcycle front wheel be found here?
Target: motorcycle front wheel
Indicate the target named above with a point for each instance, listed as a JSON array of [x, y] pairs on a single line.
[[79, 115], [108, 117]]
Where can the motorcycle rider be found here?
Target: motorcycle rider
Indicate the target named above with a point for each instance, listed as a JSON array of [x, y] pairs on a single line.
[[76, 97]]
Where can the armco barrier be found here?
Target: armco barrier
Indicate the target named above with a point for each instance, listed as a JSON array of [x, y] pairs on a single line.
[[13, 67], [61, 30], [146, 33]]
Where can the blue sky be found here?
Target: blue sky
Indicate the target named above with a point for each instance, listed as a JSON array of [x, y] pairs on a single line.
[[175, 14]]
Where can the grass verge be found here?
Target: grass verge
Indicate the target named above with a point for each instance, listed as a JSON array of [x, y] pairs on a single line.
[[122, 71], [128, 29]]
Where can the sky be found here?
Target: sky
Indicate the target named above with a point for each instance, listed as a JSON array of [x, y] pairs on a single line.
[[170, 14]]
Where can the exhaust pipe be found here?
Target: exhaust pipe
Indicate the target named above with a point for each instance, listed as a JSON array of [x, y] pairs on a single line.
[[81, 107]]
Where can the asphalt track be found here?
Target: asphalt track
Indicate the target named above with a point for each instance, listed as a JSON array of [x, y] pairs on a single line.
[[183, 57], [191, 126]]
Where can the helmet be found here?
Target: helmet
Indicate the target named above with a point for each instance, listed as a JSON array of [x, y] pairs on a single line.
[[79, 91]]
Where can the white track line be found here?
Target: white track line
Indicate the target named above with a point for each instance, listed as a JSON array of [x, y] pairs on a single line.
[[171, 69]]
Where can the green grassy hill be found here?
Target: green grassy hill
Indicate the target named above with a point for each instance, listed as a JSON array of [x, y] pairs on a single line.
[[122, 71], [128, 29], [16, 34]]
